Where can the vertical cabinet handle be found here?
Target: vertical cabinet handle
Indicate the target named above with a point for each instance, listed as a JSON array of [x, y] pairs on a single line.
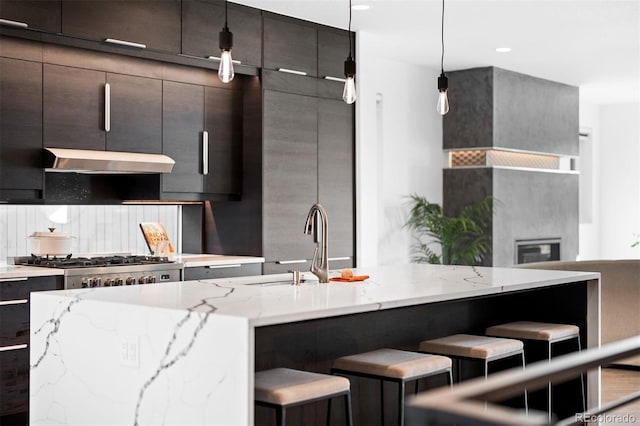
[[107, 107], [205, 153]]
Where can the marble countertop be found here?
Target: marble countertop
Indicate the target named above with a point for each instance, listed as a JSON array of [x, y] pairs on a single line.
[[10, 272], [195, 260], [271, 299]]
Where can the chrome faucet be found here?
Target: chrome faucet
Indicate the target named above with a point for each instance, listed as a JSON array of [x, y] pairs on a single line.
[[320, 270]]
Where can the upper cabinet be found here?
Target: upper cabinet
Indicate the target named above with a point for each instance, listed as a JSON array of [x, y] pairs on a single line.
[[202, 21], [80, 112], [333, 49], [20, 129], [290, 44], [155, 24], [36, 14]]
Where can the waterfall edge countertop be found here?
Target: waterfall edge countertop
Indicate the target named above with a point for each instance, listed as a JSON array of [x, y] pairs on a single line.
[[195, 260], [271, 299], [12, 272], [186, 352]]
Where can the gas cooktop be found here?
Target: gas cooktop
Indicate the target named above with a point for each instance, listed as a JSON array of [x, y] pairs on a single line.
[[69, 262]]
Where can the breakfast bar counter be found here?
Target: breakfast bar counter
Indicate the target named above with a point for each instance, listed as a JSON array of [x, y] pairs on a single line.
[[186, 352]]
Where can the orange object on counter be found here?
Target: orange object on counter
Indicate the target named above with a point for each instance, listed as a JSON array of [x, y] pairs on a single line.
[[350, 279]]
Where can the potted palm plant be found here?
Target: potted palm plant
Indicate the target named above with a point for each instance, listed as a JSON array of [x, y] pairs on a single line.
[[463, 239]]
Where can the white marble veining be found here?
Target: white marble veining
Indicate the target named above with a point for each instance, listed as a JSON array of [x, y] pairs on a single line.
[[182, 353], [194, 260], [11, 272]]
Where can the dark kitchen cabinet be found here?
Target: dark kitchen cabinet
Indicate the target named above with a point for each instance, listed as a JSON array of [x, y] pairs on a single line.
[[222, 271], [73, 108], [155, 24], [336, 176], [37, 14], [189, 112], [183, 125], [223, 122], [290, 170], [20, 129], [333, 49], [202, 21], [290, 44], [136, 114], [14, 340]]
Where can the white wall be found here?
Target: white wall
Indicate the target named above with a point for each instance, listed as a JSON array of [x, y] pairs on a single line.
[[398, 148], [620, 180]]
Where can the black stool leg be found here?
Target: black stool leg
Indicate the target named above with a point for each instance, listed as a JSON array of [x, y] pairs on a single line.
[[401, 406], [450, 376], [281, 417], [382, 402], [526, 399], [347, 404], [329, 412], [550, 388], [584, 395]]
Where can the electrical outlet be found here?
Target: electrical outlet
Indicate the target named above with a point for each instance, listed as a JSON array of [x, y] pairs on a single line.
[[130, 351]]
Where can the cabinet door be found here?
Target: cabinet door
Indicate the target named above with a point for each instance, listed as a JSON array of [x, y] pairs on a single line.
[[136, 114], [333, 49], [38, 14], [336, 174], [223, 122], [182, 126], [20, 124], [290, 45], [73, 108], [289, 168], [153, 23], [202, 21]]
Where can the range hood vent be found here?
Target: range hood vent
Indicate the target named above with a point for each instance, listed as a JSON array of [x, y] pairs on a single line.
[[105, 162]]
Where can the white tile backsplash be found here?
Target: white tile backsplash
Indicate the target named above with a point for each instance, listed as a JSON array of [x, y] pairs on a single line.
[[96, 229]]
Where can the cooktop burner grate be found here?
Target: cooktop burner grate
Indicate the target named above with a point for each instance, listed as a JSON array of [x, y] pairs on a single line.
[[87, 262]]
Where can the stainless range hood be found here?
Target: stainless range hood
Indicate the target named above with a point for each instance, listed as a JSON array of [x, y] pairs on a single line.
[[105, 162]]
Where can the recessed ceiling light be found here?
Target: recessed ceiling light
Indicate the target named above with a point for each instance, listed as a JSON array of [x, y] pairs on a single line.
[[360, 7], [503, 49]]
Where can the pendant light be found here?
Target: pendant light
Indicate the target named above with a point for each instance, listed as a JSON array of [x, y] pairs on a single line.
[[443, 81], [225, 69], [349, 92]]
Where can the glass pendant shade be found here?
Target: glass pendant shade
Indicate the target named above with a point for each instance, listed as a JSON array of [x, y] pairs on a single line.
[[443, 100], [349, 92], [225, 70]]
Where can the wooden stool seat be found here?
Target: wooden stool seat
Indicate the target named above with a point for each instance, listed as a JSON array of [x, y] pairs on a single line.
[[471, 346], [282, 388], [395, 366], [534, 330], [393, 363]]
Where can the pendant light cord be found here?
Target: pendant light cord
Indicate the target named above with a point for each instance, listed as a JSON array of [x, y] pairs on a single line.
[[225, 13], [350, 28], [442, 39]]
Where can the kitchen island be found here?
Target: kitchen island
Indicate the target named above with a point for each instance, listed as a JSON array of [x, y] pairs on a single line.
[[186, 352]]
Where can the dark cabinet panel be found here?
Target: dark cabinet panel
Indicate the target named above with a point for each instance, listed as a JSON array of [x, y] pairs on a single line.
[[153, 23], [182, 126], [136, 114], [222, 271], [333, 49], [202, 21], [335, 173], [290, 45], [20, 125], [223, 122], [73, 108], [38, 14], [290, 171]]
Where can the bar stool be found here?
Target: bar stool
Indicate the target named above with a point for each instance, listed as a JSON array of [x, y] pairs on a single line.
[[541, 331], [395, 366], [472, 347], [282, 388]]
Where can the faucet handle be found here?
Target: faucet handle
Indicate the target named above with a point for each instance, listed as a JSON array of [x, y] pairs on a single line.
[[295, 279]]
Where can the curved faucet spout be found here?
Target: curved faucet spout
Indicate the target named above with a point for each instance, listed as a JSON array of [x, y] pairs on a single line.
[[321, 268]]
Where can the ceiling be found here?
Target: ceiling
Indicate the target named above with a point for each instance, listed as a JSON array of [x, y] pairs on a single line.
[[593, 44]]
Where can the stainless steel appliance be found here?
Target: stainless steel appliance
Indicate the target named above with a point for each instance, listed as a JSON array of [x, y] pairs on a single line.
[[108, 271]]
